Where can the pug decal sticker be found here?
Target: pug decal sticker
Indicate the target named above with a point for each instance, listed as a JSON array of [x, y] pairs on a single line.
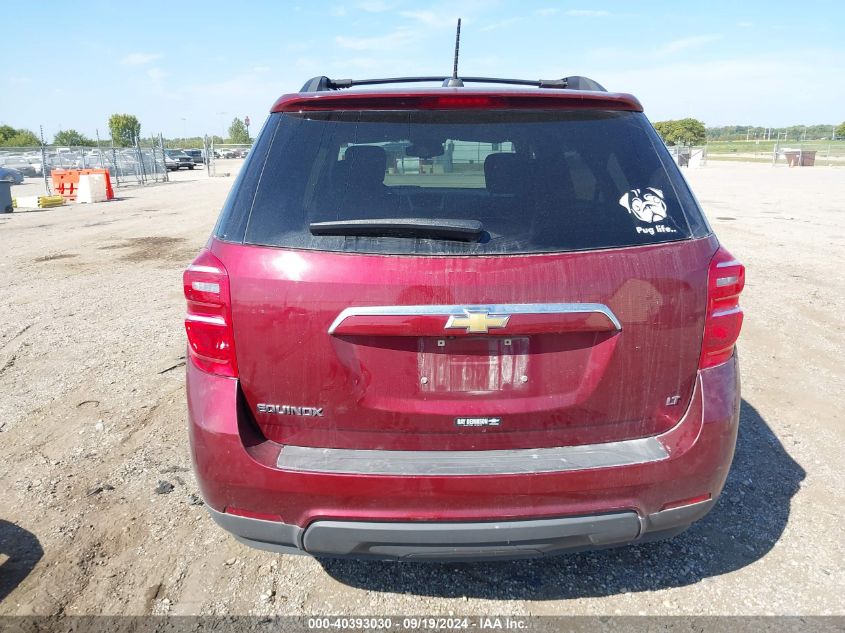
[[648, 206]]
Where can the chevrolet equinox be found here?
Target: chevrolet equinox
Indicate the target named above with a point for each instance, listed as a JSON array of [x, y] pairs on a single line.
[[459, 323]]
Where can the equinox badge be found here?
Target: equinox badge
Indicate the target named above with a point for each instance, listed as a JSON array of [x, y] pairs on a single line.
[[286, 409], [477, 322]]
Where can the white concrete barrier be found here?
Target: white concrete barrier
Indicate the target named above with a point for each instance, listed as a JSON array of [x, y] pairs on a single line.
[[92, 188]]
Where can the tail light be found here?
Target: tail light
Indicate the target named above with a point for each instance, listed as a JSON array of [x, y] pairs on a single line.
[[208, 322], [724, 316]]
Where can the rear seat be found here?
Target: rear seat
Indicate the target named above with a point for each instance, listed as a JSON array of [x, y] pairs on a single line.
[[359, 183], [507, 176]]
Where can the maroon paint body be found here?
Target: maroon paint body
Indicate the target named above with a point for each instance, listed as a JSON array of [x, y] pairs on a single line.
[[583, 386], [284, 302], [236, 469]]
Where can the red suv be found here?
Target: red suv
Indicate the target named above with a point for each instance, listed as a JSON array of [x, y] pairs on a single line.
[[454, 323]]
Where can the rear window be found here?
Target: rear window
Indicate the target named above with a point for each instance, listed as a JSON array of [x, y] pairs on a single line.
[[536, 180]]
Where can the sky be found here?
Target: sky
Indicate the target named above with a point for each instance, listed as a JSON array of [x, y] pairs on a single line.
[[190, 67]]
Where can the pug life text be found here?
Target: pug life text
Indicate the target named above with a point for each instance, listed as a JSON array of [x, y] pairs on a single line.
[[654, 230]]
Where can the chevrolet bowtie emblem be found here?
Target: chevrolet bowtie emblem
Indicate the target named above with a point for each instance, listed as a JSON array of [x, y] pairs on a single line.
[[477, 322]]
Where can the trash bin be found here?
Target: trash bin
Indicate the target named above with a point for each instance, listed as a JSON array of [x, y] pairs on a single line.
[[791, 158], [800, 158], [5, 196]]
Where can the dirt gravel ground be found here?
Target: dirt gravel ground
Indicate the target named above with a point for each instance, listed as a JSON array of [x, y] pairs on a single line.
[[99, 512]]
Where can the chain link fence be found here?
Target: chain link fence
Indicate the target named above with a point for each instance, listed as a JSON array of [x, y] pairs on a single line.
[[214, 152], [149, 160], [688, 155], [143, 163], [806, 154], [825, 153]]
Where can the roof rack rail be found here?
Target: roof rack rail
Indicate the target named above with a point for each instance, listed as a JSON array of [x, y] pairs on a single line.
[[576, 82]]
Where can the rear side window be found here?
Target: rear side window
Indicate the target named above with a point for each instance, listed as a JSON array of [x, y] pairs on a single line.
[[536, 180]]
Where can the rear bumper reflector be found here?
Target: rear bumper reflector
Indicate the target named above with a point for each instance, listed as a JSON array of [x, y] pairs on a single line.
[[496, 462]]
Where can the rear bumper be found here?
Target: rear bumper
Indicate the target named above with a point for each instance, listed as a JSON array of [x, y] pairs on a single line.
[[438, 541], [483, 514]]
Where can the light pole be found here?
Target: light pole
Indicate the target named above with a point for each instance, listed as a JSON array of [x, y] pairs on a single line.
[[246, 123]]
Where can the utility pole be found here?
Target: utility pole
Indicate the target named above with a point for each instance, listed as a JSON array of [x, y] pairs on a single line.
[[163, 156], [775, 151], [99, 149], [44, 169]]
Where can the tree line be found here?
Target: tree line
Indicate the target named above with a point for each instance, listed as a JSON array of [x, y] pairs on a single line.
[[123, 130], [681, 131], [693, 132], [792, 132]]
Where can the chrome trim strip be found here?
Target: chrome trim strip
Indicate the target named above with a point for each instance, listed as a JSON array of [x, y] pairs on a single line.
[[213, 320], [462, 310], [452, 463], [203, 269], [726, 311]]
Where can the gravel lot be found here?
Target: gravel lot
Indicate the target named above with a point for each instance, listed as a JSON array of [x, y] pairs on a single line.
[[99, 511]]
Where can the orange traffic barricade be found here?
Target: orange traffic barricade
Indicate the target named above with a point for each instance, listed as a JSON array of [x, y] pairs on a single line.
[[66, 182]]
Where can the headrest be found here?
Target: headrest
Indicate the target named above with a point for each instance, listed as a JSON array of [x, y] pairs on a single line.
[[366, 164], [506, 173]]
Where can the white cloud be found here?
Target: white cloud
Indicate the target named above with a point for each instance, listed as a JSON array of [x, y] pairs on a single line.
[[396, 40], [261, 69], [685, 43], [338, 11], [297, 47], [500, 25], [363, 63], [444, 14], [156, 74], [754, 83], [156, 77], [587, 13], [430, 18], [547, 11], [140, 59], [246, 93], [311, 64], [374, 6]]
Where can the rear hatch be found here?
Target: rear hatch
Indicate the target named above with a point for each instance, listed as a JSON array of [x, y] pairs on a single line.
[[459, 279]]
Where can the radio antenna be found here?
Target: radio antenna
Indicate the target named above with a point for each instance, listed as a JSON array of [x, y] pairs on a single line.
[[453, 81], [457, 50]]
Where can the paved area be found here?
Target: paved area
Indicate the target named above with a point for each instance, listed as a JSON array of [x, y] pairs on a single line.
[[99, 510]]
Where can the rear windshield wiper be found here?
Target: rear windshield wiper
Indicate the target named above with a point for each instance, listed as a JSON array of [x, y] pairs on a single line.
[[433, 228]]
